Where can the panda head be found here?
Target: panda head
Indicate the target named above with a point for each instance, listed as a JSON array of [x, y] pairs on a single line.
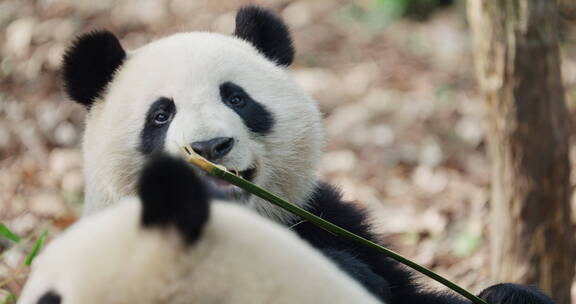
[[230, 97], [132, 252], [173, 243]]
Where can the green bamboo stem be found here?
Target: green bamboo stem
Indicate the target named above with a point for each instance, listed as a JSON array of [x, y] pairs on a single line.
[[221, 172]]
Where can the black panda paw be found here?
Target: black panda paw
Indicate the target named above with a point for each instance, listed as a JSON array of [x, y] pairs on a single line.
[[508, 293]]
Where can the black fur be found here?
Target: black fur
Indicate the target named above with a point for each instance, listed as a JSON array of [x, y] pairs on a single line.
[[267, 32], [514, 293], [398, 284], [89, 65], [50, 297], [173, 196], [327, 203], [360, 271], [255, 116], [153, 135]]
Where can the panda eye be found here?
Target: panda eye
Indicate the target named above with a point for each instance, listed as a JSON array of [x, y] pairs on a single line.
[[236, 101], [161, 117]]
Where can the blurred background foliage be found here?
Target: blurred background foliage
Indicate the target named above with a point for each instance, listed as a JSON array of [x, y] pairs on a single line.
[[394, 79], [414, 9]]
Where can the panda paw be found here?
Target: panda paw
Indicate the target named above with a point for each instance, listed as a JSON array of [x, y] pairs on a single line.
[[508, 293]]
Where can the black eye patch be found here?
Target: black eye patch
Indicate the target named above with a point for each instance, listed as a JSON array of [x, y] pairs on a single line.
[[50, 297], [157, 121], [254, 115]]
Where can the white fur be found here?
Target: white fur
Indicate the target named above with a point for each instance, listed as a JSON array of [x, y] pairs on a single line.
[[239, 258], [189, 67]]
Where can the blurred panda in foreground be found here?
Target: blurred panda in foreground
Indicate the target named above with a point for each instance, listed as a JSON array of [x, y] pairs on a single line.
[[174, 244]]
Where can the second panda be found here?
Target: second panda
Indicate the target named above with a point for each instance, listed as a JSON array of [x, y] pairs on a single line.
[[174, 244]]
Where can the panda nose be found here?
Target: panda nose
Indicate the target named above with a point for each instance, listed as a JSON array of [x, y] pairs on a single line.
[[214, 148]]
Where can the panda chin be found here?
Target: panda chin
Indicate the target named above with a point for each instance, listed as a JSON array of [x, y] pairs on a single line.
[[222, 189]]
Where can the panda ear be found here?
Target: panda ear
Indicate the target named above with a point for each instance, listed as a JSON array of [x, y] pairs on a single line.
[[267, 32], [89, 65], [173, 195]]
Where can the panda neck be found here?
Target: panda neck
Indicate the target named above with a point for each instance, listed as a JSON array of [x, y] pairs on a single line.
[[103, 193]]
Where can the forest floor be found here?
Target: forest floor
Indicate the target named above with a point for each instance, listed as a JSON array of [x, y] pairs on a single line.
[[403, 115]]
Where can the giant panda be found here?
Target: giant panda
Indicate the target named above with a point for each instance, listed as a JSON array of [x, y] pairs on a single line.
[[174, 243], [233, 100]]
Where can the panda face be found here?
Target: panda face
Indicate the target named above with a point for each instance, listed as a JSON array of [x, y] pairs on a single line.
[[210, 91], [229, 97], [174, 244]]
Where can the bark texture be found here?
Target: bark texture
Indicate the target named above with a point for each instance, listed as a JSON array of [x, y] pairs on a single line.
[[567, 8], [518, 67]]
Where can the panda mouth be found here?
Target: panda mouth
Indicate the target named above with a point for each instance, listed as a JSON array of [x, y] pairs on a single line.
[[222, 189]]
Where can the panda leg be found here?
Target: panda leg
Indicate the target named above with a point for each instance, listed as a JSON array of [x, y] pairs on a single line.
[[359, 271], [514, 293]]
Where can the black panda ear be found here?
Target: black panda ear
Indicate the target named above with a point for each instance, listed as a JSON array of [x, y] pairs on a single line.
[[173, 195], [89, 65], [267, 32]]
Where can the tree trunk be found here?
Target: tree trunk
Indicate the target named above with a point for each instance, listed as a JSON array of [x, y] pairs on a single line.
[[518, 67], [567, 8]]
